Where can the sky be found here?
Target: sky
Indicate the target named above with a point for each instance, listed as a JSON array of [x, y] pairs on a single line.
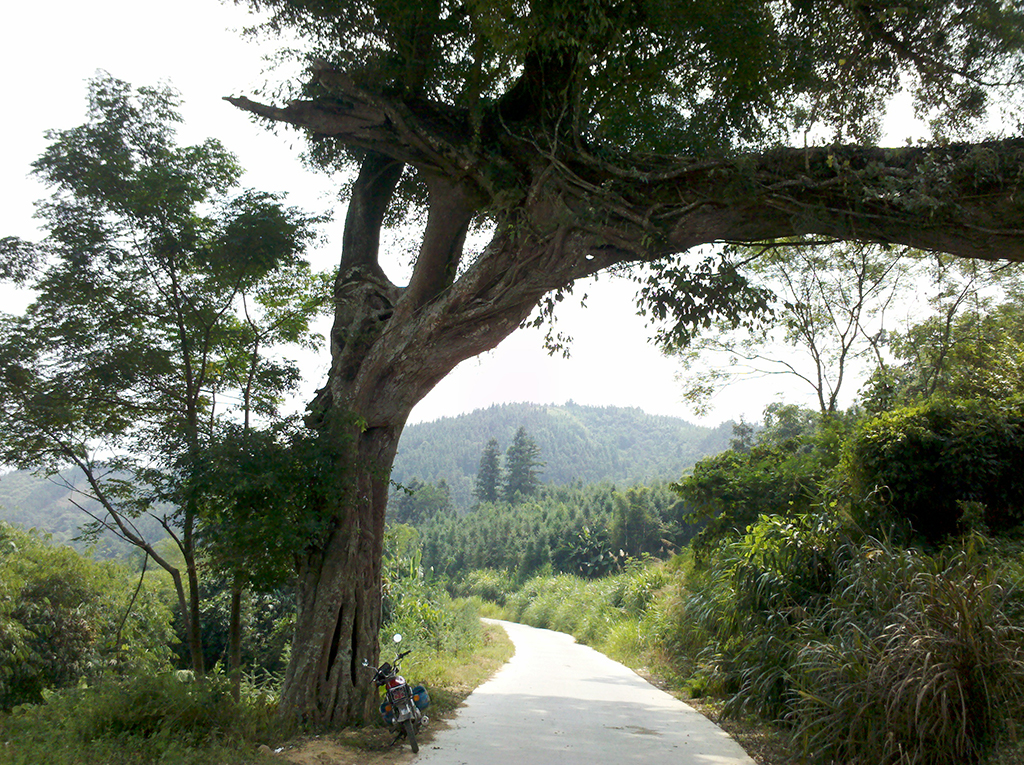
[[50, 50]]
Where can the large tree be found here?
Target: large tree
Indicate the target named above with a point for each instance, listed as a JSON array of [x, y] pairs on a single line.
[[591, 135]]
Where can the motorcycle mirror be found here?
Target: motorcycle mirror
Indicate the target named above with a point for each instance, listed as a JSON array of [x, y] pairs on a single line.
[[397, 638]]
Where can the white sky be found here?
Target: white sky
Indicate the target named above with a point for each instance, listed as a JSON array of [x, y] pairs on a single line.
[[50, 50]]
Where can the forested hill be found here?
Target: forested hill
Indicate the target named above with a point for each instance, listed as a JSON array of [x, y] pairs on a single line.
[[585, 443]]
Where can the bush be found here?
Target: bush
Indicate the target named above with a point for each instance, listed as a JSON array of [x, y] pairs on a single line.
[[924, 463], [136, 721], [65, 618]]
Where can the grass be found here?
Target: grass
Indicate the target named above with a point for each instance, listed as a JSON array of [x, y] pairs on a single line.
[[449, 678], [158, 719]]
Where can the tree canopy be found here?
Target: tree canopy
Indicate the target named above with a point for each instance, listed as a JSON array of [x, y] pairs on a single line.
[[159, 290], [592, 135]]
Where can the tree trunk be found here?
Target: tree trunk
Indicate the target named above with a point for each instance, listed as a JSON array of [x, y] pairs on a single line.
[[235, 638], [339, 601]]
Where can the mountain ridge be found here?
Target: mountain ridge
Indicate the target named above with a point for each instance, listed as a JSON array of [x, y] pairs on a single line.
[[586, 444]]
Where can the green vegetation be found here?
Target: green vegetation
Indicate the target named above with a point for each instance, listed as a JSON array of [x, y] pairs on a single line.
[[577, 443], [586, 137], [866, 629], [87, 677]]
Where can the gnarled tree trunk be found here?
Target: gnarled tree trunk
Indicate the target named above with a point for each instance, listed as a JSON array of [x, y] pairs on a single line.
[[339, 601]]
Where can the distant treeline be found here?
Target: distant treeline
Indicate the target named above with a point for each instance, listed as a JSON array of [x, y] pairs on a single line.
[[578, 444]]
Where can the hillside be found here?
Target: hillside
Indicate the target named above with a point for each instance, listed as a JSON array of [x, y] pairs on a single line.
[[50, 506], [578, 443]]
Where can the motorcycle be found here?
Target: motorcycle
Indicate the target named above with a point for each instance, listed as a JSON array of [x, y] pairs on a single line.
[[402, 708]]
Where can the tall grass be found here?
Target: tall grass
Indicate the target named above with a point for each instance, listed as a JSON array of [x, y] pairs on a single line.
[[613, 614], [863, 651], [918, 662], [138, 721]]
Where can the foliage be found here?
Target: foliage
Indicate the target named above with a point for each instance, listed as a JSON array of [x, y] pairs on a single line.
[[923, 463], [598, 612], [865, 651], [698, 78], [139, 720], [160, 288], [417, 502], [32, 501], [563, 529], [262, 494], [749, 605], [265, 641], [64, 618], [422, 612], [635, 527], [579, 443], [970, 347], [782, 473]]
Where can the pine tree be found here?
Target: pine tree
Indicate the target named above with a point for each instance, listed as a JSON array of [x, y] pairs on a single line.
[[488, 477], [521, 466]]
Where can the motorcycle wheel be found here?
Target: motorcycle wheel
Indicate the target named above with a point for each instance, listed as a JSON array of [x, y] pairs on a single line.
[[410, 733]]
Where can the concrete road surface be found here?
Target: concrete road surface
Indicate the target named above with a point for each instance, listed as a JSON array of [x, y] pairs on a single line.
[[560, 703]]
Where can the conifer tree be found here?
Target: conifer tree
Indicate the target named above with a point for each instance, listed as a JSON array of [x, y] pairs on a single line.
[[521, 466], [488, 477]]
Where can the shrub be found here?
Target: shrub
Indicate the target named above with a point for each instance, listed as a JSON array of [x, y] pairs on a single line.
[[64, 618], [136, 721], [924, 463]]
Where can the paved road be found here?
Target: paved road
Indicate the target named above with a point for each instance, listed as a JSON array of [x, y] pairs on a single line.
[[560, 703]]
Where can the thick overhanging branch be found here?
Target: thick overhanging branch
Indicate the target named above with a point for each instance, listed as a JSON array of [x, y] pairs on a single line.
[[567, 216], [965, 199]]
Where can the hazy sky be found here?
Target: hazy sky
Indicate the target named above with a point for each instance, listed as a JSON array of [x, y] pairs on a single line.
[[50, 50]]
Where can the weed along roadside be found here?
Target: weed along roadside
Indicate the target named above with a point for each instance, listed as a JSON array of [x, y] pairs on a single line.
[[449, 678]]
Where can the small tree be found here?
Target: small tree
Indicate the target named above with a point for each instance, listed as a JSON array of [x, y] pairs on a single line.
[[158, 289], [971, 346], [488, 476], [521, 467], [635, 527]]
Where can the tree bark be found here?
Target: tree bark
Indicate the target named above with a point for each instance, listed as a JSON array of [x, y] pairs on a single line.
[[339, 601]]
